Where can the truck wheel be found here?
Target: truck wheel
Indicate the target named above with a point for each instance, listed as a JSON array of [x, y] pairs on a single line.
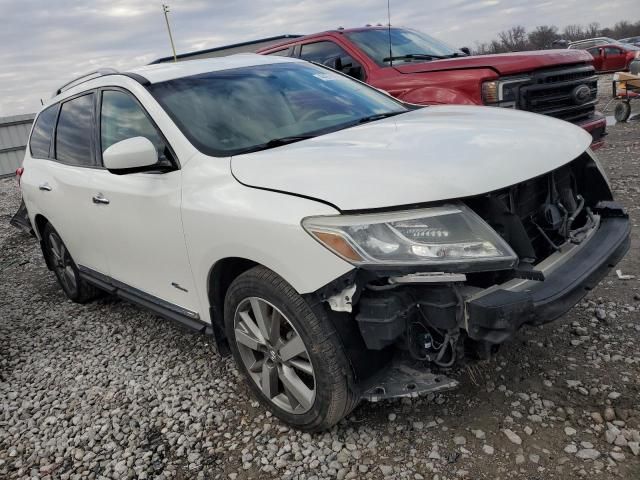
[[622, 111], [74, 287], [291, 357]]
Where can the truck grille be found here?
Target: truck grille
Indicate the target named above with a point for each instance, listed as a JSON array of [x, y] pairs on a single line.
[[567, 93]]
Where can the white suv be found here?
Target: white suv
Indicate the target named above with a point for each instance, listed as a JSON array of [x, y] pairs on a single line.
[[335, 240]]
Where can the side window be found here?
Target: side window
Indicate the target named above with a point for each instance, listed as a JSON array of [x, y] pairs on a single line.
[[612, 51], [332, 55], [595, 51], [285, 52], [74, 132], [43, 132], [122, 117]]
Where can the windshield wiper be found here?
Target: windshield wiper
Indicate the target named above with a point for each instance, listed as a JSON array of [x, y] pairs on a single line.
[[416, 56], [378, 116], [277, 142]]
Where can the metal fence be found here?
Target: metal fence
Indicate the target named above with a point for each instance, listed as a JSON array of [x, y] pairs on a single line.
[[14, 134]]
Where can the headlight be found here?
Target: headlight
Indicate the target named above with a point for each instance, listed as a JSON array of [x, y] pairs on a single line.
[[503, 92], [449, 237]]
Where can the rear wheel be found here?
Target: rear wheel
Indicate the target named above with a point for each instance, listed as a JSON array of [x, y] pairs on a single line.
[[290, 355], [74, 287]]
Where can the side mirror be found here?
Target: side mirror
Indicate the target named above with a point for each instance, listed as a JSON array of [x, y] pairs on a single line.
[[335, 63], [466, 50], [135, 152]]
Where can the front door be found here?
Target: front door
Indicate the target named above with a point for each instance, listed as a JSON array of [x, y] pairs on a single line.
[[598, 57], [144, 243]]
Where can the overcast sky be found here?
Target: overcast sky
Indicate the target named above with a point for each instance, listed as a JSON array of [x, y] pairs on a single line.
[[45, 43]]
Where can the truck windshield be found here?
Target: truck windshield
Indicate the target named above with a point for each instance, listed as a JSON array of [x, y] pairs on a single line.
[[246, 109], [406, 45]]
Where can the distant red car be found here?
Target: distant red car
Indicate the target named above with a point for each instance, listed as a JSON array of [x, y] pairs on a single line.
[[608, 55]]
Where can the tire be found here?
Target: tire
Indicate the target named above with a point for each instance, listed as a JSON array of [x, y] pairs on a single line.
[[65, 269], [622, 111], [331, 378]]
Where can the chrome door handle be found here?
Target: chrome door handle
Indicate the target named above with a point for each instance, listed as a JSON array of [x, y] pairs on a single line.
[[45, 187], [100, 200]]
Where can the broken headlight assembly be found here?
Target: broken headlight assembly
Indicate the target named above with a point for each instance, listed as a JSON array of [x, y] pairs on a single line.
[[445, 238]]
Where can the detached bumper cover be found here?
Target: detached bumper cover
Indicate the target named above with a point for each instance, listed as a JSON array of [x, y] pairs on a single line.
[[497, 315], [21, 219]]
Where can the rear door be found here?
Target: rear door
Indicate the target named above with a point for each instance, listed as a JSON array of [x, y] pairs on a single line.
[[144, 241], [61, 184], [614, 59]]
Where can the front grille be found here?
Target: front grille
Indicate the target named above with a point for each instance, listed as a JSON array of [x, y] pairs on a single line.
[[553, 93]]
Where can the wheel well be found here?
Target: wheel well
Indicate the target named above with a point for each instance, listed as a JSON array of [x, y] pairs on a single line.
[[41, 221], [223, 273]]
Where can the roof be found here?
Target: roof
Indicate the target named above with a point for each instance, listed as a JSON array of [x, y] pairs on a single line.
[[161, 72], [334, 31], [607, 39], [225, 47]]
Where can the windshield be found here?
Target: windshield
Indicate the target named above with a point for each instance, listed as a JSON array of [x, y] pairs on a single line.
[[246, 109], [406, 45]]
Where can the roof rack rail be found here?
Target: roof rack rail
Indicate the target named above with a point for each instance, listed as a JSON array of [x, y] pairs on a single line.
[[85, 78]]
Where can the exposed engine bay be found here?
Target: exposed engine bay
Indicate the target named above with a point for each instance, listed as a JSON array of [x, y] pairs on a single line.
[[442, 318]]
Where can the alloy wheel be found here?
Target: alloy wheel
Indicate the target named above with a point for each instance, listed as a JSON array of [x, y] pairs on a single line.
[[274, 355], [62, 263]]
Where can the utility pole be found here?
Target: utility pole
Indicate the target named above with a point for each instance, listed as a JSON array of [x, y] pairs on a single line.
[[165, 10]]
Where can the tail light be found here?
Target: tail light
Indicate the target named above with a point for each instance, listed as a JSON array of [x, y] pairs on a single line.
[[19, 173]]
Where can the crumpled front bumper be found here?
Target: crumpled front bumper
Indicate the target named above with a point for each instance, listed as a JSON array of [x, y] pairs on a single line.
[[497, 313]]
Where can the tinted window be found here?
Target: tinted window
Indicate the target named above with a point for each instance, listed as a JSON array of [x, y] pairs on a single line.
[[123, 118], [233, 111], [594, 51], [75, 131], [612, 51], [42, 132], [331, 55]]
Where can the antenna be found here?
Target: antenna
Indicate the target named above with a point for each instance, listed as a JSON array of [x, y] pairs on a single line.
[[165, 10], [389, 30]]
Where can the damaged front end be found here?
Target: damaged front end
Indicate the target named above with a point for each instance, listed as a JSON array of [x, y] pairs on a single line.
[[552, 238]]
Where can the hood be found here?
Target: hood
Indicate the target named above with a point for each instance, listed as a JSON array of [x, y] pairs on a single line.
[[503, 63], [426, 155]]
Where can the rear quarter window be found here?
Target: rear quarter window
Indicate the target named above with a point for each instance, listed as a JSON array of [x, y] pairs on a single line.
[[40, 142]]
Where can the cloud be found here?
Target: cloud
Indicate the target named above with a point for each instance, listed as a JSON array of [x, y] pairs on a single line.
[[47, 43]]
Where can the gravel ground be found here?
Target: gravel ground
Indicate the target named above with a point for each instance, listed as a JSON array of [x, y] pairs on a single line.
[[107, 390]]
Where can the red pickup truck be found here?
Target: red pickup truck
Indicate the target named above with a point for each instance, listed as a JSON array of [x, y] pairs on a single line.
[[418, 68]]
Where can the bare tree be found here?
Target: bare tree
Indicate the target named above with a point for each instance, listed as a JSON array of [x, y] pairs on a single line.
[[573, 33], [543, 37], [514, 39], [624, 29], [593, 30]]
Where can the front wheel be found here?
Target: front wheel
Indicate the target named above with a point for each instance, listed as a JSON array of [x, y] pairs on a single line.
[[290, 355]]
